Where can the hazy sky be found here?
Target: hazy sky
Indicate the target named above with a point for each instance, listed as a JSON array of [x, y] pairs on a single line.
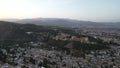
[[92, 10]]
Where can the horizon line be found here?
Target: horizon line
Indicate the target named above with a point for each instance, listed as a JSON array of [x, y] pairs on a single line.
[[58, 18]]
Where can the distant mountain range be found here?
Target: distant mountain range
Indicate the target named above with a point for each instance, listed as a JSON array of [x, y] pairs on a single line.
[[61, 22]]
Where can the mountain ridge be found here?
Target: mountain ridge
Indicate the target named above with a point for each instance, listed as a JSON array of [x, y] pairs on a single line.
[[64, 22]]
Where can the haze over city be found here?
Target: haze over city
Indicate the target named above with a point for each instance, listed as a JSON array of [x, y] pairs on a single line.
[[59, 33], [88, 10]]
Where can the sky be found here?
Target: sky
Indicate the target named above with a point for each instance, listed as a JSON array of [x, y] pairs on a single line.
[[90, 10]]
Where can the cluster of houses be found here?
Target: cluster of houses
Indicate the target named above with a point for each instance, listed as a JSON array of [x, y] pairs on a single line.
[[42, 58], [105, 35]]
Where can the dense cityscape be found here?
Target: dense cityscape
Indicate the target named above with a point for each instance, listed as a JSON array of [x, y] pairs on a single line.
[[59, 33], [59, 47]]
